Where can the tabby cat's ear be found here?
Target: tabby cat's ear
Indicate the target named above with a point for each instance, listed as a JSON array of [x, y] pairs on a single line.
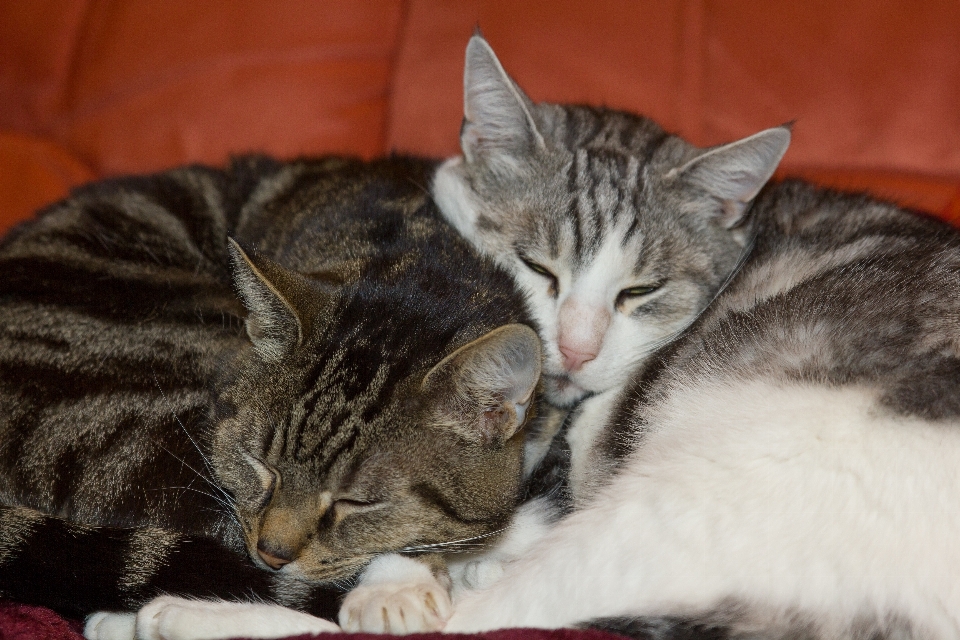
[[483, 389], [280, 303], [498, 126], [734, 173]]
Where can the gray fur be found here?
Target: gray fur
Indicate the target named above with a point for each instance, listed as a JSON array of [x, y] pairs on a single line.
[[776, 461]]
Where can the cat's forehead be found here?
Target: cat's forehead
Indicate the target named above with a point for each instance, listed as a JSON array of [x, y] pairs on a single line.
[[576, 127], [606, 207]]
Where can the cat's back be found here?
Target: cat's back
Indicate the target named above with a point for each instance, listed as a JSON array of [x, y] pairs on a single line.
[[842, 290], [812, 417], [115, 307]]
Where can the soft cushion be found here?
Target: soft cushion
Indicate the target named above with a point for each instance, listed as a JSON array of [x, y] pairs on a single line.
[[870, 85], [34, 172]]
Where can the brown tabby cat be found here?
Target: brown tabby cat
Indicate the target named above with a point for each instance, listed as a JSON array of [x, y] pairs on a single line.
[[170, 402]]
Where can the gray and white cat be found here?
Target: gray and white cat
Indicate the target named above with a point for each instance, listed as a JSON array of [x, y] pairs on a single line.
[[770, 412], [785, 467]]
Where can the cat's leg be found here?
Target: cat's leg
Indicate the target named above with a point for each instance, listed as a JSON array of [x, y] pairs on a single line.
[[624, 553], [530, 524], [397, 594], [568, 577], [173, 618]]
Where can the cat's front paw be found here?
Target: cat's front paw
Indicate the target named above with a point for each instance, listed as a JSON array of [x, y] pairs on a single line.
[[104, 625], [172, 618], [398, 607], [480, 574]]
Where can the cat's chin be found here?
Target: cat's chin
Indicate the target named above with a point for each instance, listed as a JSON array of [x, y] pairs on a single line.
[[563, 392]]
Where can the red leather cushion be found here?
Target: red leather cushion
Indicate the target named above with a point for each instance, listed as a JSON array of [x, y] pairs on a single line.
[[137, 86], [871, 85], [33, 173]]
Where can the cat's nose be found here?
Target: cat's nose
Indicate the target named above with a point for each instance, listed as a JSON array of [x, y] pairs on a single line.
[[574, 360], [275, 558]]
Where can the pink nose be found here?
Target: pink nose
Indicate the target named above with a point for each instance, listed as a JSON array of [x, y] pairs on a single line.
[[276, 559], [574, 360]]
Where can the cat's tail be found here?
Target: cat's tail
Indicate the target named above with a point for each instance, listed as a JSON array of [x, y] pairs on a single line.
[[76, 569]]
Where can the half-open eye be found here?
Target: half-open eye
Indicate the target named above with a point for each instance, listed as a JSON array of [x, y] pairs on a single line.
[[539, 269], [635, 292]]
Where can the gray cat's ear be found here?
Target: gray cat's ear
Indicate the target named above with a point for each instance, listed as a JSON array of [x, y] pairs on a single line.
[[734, 173], [279, 303], [498, 124], [484, 389]]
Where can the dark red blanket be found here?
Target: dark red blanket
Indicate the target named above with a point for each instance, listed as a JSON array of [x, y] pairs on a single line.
[[23, 622]]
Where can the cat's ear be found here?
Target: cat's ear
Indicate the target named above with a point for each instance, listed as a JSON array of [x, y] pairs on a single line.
[[280, 303], [483, 389], [498, 125], [734, 173]]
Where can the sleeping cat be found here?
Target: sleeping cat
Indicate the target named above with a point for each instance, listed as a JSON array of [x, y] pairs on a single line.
[[774, 452], [766, 441], [172, 402], [785, 467]]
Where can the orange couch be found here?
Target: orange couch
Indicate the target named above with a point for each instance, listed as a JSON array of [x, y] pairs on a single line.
[[90, 88]]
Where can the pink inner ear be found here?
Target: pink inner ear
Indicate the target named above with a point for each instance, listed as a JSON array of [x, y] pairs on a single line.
[[582, 328]]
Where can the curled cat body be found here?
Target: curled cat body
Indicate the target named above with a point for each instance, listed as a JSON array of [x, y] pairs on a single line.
[[763, 381], [776, 457], [182, 416]]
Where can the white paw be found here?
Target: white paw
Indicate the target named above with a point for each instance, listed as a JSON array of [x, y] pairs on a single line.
[[172, 618], [397, 607], [104, 625], [480, 574]]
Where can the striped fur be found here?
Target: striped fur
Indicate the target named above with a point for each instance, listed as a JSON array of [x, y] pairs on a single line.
[[180, 416], [618, 233]]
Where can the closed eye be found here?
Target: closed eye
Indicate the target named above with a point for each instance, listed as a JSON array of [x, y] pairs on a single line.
[[346, 506], [632, 293], [346, 502], [539, 269]]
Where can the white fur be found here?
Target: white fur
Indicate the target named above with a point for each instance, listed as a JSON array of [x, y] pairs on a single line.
[[173, 618], [784, 497], [455, 198], [593, 290], [591, 420], [396, 594], [104, 625], [530, 524]]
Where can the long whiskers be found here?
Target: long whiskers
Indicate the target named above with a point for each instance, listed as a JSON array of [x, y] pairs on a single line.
[[226, 500], [464, 544], [203, 456]]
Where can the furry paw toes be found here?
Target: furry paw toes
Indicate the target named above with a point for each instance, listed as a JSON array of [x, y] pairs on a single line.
[[404, 607], [104, 625], [480, 574]]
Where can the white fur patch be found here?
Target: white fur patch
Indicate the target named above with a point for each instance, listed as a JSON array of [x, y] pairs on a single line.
[[454, 197], [780, 496]]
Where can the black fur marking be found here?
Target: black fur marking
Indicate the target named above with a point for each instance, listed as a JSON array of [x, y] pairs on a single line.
[[658, 628]]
